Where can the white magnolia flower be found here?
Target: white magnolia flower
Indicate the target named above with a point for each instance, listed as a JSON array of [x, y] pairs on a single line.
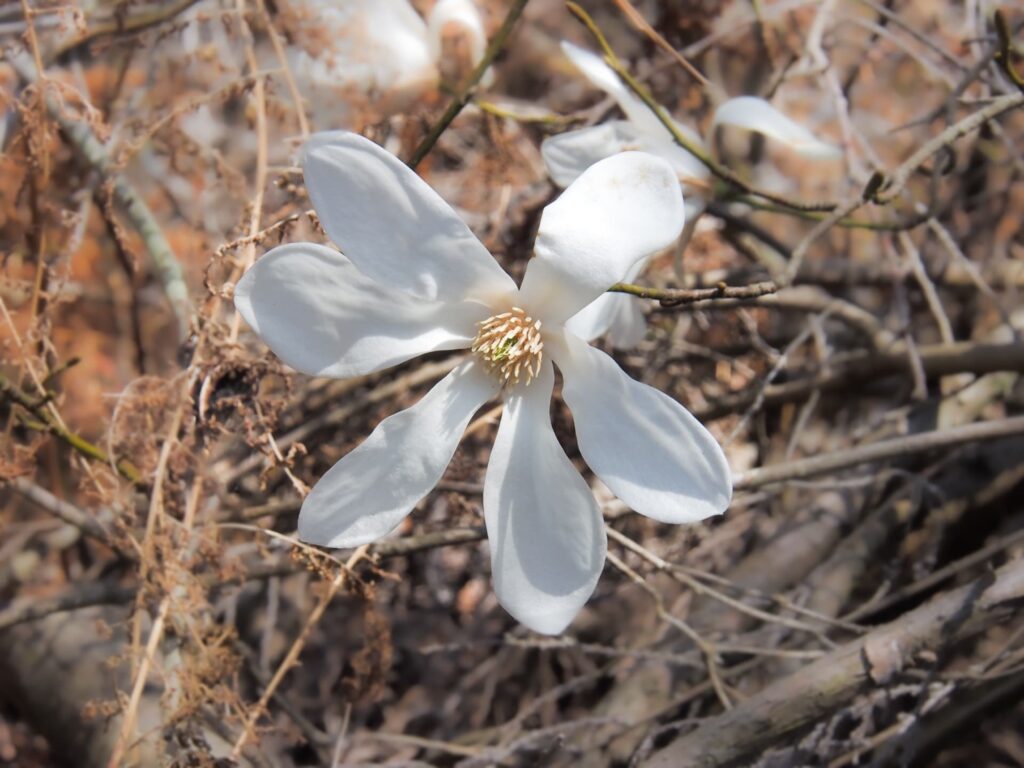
[[380, 50], [414, 279], [568, 154]]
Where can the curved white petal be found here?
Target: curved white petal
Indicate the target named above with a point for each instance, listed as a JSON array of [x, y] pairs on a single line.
[[569, 154], [460, 13], [393, 226], [617, 212], [695, 206], [366, 494], [596, 318], [616, 314], [651, 135], [322, 316], [594, 69], [372, 46], [546, 533], [628, 326], [649, 450], [754, 114], [602, 76], [686, 165]]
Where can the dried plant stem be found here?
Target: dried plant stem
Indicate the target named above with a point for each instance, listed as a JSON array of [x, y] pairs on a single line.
[[707, 648], [808, 299], [89, 148], [260, 179], [375, 394], [148, 560], [128, 722], [286, 71], [465, 94], [796, 259], [637, 20], [292, 656], [680, 575]]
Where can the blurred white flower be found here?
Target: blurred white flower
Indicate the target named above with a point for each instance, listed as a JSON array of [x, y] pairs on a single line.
[[375, 53], [414, 279], [568, 154]]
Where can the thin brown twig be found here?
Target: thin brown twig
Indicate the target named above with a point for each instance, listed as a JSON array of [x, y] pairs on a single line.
[[886, 449], [637, 20], [674, 297], [94, 153], [465, 94], [895, 182], [64, 510], [286, 70], [260, 178], [707, 648], [292, 656]]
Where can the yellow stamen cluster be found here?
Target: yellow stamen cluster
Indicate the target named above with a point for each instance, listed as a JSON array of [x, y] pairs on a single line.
[[510, 345]]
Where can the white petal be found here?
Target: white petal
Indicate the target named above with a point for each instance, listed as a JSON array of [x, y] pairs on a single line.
[[643, 120], [756, 114], [628, 326], [461, 13], [652, 135], [596, 318], [366, 494], [569, 154], [617, 212], [616, 314], [686, 165], [393, 226], [322, 316], [594, 69], [602, 76], [695, 206], [371, 46], [546, 533], [649, 450]]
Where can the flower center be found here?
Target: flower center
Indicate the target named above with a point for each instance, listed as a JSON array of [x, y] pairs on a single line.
[[510, 345]]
